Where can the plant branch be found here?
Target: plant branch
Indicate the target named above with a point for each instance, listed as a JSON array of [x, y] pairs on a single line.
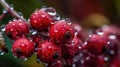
[[8, 8]]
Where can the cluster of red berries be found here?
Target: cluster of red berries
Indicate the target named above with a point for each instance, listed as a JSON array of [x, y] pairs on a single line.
[[57, 42]]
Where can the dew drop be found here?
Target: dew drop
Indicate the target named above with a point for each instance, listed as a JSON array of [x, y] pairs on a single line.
[[11, 6], [24, 58], [1, 52], [100, 33], [51, 11], [112, 37], [112, 52], [106, 58], [4, 11], [2, 28], [21, 14]]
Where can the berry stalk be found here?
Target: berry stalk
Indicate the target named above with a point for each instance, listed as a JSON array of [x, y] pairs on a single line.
[[7, 7]]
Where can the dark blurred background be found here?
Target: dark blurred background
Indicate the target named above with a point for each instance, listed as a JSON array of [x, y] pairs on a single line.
[[87, 13]]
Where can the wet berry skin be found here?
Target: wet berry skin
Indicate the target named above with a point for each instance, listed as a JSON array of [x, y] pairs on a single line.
[[40, 20], [17, 28], [22, 48], [97, 44], [48, 52], [72, 47], [61, 32]]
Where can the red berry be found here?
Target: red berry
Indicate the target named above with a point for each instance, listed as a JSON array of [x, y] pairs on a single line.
[[97, 44], [72, 47], [40, 20], [36, 39], [17, 28], [48, 52], [61, 32], [22, 48]]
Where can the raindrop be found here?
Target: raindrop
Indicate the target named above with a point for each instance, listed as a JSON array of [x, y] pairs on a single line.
[[57, 17], [51, 11], [21, 15], [33, 32], [112, 37], [106, 58], [11, 6], [79, 47], [4, 11], [24, 58], [2, 28], [73, 65], [100, 33], [112, 52], [1, 52]]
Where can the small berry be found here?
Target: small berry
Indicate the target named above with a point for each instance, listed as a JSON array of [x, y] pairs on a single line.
[[17, 28], [40, 20], [48, 52], [97, 44], [72, 47], [22, 48], [61, 32], [36, 39]]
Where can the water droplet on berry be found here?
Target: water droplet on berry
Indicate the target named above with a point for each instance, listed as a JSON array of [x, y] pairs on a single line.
[[112, 37], [33, 32], [108, 42], [51, 11], [100, 33], [112, 52], [73, 65], [106, 59], [82, 61]]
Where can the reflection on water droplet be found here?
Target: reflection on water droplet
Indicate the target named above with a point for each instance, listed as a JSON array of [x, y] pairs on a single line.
[[112, 37], [4, 11], [24, 58], [11, 6], [1, 52], [106, 58]]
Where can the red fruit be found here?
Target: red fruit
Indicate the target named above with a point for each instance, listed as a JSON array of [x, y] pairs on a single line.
[[22, 48], [61, 32], [40, 20], [36, 39], [97, 44], [48, 52], [17, 28], [72, 47]]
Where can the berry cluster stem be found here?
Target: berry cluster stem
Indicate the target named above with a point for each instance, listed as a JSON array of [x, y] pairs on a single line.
[[7, 7]]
